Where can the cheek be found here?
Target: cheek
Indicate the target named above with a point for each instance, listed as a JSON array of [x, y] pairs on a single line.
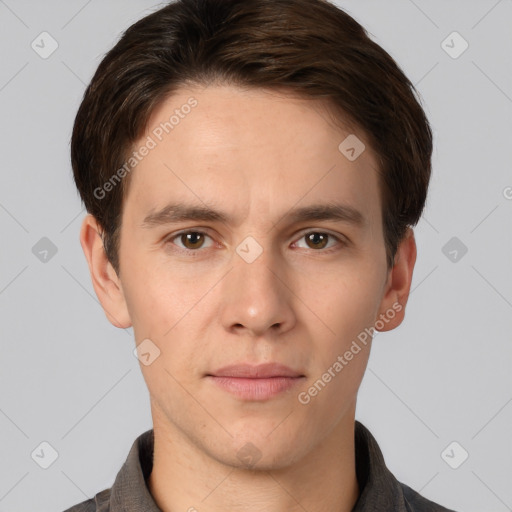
[[149, 302], [169, 308], [159, 311], [157, 296], [346, 301], [347, 306]]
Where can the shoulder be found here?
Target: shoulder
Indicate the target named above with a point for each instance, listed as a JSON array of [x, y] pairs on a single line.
[[415, 502], [99, 503]]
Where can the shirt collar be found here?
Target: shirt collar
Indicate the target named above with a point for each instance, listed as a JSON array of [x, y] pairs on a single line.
[[379, 489], [130, 492]]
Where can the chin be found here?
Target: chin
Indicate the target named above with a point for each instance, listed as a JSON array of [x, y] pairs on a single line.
[[259, 453]]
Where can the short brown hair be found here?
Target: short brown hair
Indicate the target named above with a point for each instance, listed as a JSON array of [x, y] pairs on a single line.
[[309, 47]]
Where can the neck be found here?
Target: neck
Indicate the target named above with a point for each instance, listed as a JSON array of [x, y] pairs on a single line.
[[185, 478]]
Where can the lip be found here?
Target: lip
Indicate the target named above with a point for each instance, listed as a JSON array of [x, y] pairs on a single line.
[[256, 382], [260, 371]]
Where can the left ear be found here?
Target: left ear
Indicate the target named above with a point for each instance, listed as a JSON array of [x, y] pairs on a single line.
[[392, 307]]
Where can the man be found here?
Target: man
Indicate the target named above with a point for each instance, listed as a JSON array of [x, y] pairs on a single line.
[[252, 172]]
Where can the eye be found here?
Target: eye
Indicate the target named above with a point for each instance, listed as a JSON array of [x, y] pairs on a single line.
[[191, 240], [318, 240]]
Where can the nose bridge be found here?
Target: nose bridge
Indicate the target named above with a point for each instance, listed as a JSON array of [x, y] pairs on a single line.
[[256, 259], [256, 296], [257, 266]]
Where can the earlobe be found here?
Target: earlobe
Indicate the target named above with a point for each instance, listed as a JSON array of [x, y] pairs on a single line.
[[392, 310], [105, 281]]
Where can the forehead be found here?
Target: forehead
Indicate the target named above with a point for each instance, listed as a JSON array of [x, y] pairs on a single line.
[[251, 149]]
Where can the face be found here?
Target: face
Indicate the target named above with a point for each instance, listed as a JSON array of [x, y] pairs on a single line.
[[277, 273]]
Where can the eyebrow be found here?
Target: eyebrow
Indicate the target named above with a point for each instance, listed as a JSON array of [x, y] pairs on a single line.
[[179, 212]]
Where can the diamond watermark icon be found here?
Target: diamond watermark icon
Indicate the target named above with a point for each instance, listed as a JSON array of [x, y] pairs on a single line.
[[249, 454], [146, 352], [44, 455], [352, 147], [44, 250], [249, 249], [454, 455], [454, 45], [44, 45], [454, 250]]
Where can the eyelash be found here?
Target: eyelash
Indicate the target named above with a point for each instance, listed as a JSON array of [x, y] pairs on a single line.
[[170, 239]]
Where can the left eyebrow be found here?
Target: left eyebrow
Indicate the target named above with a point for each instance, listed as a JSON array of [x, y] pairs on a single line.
[[331, 211], [180, 212]]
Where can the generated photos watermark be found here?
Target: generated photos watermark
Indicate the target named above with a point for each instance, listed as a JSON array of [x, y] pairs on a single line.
[[158, 133], [363, 337]]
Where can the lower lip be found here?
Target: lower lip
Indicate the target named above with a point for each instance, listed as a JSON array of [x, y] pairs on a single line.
[[256, 389]]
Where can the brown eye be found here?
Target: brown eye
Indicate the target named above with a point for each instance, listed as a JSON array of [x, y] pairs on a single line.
[[317, 240], [192, 239], [188, 241]]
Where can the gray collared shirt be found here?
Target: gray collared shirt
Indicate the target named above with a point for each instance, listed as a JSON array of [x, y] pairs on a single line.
[[380, 490]]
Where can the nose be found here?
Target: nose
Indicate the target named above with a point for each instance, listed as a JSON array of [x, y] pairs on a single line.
[[258, 296]]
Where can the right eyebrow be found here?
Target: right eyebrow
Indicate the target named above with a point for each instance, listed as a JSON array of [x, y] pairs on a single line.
[[179, 212]]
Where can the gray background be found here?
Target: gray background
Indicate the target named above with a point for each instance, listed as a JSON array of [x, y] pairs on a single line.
[[70, 378]]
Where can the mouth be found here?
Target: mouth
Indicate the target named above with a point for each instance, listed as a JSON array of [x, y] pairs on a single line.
[[256, 383]]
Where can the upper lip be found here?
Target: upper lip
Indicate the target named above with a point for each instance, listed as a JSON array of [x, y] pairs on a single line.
[[260, 371]]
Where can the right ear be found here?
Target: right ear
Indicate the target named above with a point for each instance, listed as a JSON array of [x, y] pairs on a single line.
[[105, 280]]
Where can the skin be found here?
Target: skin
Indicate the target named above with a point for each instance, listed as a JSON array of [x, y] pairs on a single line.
[[257, 155]]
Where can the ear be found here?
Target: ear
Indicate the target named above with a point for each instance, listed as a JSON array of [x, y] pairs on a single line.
[[392, 308], [105, 281]]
